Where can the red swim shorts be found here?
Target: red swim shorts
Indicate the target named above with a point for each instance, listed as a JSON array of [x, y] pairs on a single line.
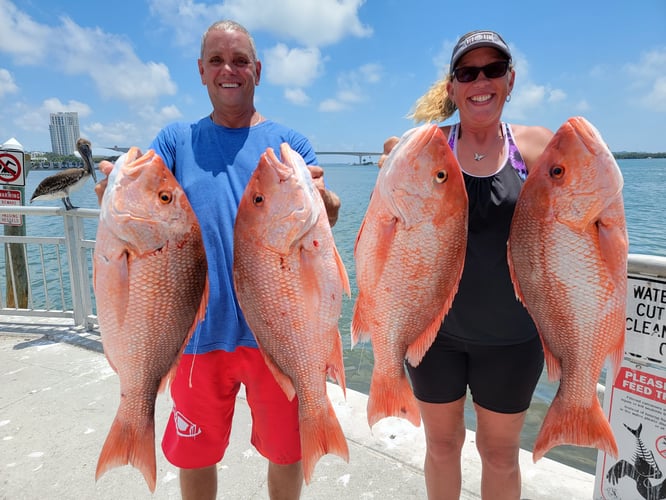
[[197, 433]]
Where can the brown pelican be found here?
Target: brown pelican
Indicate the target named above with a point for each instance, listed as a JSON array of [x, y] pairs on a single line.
[[61, 184]]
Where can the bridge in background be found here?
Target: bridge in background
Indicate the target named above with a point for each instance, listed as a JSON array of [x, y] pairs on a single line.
[[359, 154]]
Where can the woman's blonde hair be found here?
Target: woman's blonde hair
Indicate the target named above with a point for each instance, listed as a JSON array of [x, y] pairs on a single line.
[[435, 105]]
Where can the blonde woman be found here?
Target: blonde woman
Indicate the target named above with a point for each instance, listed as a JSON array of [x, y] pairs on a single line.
[[487, 343]]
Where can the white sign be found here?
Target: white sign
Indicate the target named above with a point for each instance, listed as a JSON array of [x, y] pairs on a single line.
[[11, 197], [646, 319], [11, 167], [636, 408]]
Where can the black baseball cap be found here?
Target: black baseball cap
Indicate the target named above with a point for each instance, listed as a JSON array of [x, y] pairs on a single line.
[[477, 39]]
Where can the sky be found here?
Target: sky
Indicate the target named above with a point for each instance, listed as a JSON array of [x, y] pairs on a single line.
[[346, 73]]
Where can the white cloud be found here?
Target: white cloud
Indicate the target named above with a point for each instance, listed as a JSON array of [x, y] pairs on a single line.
[[331, 105], [54, 105], [111, 134], [291, 67], [582, 106], [351, 85], [556, 95], [296, 96], [656, 98], [648, 77], [108, 60], [7, 84], [312, 23], [25, 40]]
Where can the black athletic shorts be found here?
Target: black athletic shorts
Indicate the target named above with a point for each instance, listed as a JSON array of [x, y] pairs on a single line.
[[501, 378]]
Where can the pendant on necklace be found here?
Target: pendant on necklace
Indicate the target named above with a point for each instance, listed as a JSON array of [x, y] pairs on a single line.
[[478, 157]]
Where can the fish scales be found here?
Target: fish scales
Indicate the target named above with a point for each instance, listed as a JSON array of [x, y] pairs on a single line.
[[289, 280], [409, 258], [151, 288], [567, 255]]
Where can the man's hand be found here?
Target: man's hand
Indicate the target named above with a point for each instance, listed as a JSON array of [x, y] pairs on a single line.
[[331, 200], [105, 167], [389, 144]]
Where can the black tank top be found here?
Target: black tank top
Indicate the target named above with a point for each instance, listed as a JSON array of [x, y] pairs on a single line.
[[485, 310]]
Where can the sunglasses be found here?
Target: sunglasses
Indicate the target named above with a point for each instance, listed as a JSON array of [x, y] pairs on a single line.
[[468, 74]]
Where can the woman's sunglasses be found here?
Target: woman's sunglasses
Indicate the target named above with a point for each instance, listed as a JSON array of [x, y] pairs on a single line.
[[468, 74]]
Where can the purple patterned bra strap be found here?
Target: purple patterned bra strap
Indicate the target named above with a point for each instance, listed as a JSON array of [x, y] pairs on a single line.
[[514, 156]]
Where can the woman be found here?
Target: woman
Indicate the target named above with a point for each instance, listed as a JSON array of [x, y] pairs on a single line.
[[487, 342]]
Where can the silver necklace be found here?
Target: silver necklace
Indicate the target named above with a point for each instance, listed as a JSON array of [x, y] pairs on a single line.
[[478, 156]]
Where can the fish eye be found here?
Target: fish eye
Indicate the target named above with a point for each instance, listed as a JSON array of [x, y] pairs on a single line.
[[441, 176], [258, 199], [557, 171], [165, 197]]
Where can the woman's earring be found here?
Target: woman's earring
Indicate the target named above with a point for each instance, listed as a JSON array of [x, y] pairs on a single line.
[[508, 98]]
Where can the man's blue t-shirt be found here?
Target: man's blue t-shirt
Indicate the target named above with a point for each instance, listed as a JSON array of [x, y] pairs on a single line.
[[214, 164]]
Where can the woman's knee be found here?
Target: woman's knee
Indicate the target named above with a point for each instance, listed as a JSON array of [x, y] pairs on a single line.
[[446, 446], [499, 457]]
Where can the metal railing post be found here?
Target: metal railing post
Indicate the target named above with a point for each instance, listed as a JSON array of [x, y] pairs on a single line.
[[72, 238]]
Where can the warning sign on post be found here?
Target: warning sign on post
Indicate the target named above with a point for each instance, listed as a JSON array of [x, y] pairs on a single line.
[[646, 319], [11, 167], [10, 197], [636, 407]]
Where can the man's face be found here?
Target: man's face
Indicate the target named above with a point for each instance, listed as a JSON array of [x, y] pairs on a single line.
[[228, 69]]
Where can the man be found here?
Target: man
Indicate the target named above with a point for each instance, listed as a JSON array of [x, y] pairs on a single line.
[[213, 160]]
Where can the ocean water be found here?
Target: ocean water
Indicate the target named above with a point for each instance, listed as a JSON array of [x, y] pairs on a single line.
[[644, 192]]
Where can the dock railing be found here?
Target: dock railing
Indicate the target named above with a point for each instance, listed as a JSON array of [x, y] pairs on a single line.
[[48, 274], [59, 266]]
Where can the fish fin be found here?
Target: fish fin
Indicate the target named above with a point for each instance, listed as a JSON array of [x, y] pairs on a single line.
[[578, 426], [343, 272], [281, 378], [616, 357], [335, 367], [553, 365], [417, 349], [512, 274], [360, 332], [613, 247], [130, 442], [121, 304], [321, 434], [391, 398], [199, 317]]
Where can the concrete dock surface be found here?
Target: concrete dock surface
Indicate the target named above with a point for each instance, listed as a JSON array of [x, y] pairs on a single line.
[[59, 396]]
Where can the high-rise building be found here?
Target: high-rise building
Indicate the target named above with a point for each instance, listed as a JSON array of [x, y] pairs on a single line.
[[64, 130]]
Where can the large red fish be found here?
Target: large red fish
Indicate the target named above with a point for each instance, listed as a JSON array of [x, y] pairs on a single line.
[[289, 279], [409, 257], [567, 254], [151, 288]]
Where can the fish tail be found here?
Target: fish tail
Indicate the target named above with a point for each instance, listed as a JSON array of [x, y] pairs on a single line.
[[392, 398], [578, 426], [321, 434], [128, 443]]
